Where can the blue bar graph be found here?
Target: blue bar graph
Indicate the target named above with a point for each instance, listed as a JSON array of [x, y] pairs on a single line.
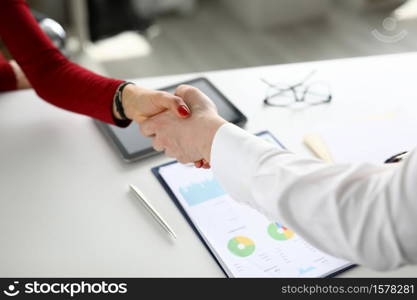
[[200, 192], [302, 271]]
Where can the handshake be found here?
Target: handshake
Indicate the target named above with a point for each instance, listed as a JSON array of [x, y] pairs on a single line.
[[181, 125]]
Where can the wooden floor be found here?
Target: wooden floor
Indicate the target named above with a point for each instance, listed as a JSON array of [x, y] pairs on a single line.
[[211, 39]]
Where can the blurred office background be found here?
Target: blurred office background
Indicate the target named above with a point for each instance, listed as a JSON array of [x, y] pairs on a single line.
[[140, 38]]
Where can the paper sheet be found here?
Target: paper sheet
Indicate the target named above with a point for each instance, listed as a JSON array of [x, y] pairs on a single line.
[[244, 241]]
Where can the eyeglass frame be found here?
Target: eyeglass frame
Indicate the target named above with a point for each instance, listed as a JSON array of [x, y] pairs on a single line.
[[396, 158], [293, 89]]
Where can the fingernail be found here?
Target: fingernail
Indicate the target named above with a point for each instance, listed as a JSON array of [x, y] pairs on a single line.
[[183, 110], [199, 164]]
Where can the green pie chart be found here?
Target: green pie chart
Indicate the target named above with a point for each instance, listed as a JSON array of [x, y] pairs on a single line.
[[241, 246], [279, 232]]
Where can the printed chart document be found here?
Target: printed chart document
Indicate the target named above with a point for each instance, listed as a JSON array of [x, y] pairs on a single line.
[[243, 241]]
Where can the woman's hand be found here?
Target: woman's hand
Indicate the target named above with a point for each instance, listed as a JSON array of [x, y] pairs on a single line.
[[140, 104], [188, 140], [22, 81]]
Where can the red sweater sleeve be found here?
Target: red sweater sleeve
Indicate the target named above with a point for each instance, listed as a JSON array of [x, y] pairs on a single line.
[[54, 78], [7, 76]]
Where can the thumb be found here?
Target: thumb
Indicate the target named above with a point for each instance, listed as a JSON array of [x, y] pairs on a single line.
[[176, 105], [184, 91]]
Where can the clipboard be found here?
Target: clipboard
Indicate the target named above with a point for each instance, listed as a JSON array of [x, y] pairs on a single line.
[[179, 205]]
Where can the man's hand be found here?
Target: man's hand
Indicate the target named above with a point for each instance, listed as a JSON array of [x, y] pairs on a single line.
[[140, 104], [188, 140]]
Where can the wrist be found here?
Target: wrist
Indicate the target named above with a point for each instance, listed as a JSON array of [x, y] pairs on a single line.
[[21, 80], [128, 97], [210, 127], [126, 101]]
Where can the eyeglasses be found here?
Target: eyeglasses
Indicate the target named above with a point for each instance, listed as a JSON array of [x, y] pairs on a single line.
[[396, 158], [284, 95]]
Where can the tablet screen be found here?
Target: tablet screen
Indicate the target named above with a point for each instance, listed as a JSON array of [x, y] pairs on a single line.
[[132, 145]]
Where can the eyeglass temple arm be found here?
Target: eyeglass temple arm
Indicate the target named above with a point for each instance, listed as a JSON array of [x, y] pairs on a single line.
[[309, 75], [267, 83]]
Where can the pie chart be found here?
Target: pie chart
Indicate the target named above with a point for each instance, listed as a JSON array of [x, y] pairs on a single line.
[[279, 232], [241, 246]]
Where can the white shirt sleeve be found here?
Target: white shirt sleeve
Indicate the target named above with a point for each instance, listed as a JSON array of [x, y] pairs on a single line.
[[364, 213]]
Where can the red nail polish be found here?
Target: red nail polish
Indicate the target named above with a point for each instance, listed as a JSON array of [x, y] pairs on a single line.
[[183, 111]]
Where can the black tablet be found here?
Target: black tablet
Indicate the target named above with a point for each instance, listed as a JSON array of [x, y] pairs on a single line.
[[132, 146]]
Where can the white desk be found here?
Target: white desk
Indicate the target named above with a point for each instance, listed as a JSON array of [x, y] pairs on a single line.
[[65, 207]]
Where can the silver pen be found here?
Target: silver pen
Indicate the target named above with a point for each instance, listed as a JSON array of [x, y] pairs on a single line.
[[152, 211]]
